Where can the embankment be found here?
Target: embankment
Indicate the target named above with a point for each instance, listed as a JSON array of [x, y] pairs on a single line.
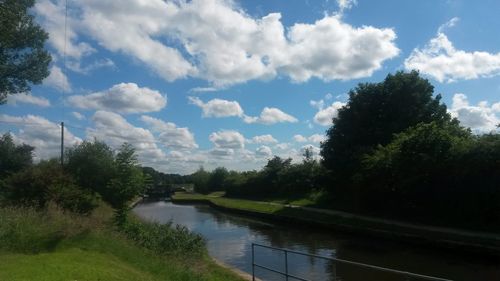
[[454, 239]]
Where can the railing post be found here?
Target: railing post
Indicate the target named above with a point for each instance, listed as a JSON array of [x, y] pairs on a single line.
[[286, 265], [253, 262]]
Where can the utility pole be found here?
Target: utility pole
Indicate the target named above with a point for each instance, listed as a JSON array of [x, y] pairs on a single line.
[[62, 144]]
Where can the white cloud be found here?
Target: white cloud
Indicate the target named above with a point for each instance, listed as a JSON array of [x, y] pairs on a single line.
[[299, 138], [28, 98], [480, 118], [282, 146], [218, 107], [170, 135], [220, 42], [269, 116], [122, 98], [57, 80], [325, 116], [222, 153], [264, 151], [77, 67], [331, 49], [52, 16], [346, 4], [115, 130], [227, 139], [41, 133], [317, 138], [264, 139], [78, 115], [449, 24], [443, 62]]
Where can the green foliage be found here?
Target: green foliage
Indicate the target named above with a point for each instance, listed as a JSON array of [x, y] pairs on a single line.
[[23, 59], [116, 178], [46, 182], [91, 164], [164, 238], [127, 182], [200, 180], [13, 158], [435, 173], [373, 114]]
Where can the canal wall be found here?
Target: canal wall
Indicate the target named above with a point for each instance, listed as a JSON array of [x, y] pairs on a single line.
[[453, 239]]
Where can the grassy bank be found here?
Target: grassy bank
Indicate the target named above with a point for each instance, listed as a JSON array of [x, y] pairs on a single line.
[[329, 219], [52, 245]]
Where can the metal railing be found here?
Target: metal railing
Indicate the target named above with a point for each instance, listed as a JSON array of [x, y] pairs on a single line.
[[287, 275]]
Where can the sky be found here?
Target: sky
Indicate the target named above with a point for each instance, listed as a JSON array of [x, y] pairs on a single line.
[[232, 83]]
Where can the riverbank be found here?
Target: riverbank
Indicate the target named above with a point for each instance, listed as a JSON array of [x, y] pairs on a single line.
[[461, 240], [52, 245]]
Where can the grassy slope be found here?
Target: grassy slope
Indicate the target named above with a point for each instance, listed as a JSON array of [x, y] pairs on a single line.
[[87, 251], [475, 240]]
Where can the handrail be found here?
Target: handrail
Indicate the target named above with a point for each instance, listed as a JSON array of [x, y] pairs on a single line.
[[286, 274]]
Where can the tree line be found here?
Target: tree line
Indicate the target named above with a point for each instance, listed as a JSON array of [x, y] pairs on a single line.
[[393, 151]]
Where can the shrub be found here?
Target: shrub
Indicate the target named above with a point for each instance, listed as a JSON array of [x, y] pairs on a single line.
[[43, 183], [163, 238]]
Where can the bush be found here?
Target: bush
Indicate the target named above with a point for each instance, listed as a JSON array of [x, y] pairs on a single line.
[[164, 238], [45, 182]]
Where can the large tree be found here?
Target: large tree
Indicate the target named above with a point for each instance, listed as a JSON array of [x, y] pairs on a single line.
[[373, 114], [23, 59]]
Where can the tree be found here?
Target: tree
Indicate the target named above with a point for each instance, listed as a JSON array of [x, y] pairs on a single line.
[[45, 182], [91, 163], [373, 114], [13, 158], [23, 59], [127, 182], [217, 180]]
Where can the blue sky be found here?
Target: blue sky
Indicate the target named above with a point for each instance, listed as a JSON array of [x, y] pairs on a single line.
[[231, 83]]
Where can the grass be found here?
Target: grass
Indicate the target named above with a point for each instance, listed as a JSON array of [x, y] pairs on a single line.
[[360, 224], [51, 245]]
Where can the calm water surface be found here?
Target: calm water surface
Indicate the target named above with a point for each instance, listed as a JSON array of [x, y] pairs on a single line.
[[229, 240]]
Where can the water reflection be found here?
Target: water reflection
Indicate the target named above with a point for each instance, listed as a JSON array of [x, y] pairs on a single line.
[[229, 240]]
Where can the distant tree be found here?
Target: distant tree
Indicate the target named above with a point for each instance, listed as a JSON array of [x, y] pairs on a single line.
[[200, 180], [217, 180], [13, 158], [373, 114], [23, 59]]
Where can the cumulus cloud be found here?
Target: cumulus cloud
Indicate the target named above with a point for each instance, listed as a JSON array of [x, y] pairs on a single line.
[[269, 116], [78, 115], [264, 139], [29, 99], [115, 130], [264, 151], [122, 98], [299, 138], [218, 107], [220, 42], [227, 139], [325, 116], [41, 133], [317, 138], [57, 80], [441, 60], [170, 135], [481, 118], [346, 4]]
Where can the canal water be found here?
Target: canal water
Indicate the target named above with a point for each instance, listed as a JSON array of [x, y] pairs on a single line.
[[229, 238]]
